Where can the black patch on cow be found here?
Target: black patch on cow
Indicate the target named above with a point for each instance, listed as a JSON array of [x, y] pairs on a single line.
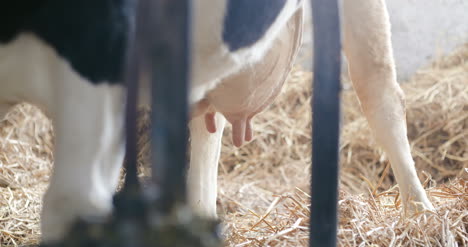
[[246, 21], [14, 15], [90, 34]]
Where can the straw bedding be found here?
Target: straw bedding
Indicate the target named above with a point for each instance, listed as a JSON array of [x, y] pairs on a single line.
[[264, 186]]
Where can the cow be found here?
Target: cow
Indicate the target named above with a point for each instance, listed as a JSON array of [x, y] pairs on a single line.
[[66, 57]]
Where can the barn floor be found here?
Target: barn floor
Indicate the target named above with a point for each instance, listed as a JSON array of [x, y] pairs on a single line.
[[263, 195]]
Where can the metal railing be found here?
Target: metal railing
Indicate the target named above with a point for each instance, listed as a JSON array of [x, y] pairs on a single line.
[[159, 216], [326, 122]]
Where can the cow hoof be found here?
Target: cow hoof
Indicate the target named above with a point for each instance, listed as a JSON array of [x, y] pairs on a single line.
[[416, 208]]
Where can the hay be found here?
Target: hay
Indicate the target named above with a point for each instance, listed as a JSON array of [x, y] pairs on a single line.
[[262, 184], [263, 196], [25, 164]]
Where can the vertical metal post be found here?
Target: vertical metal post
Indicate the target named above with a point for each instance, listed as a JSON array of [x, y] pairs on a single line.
[[132, 183], [169, 54], [326, 116]]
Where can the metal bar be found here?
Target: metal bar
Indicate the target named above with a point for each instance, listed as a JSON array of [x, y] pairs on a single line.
[[326, 116], [168, 56], [132, 80]]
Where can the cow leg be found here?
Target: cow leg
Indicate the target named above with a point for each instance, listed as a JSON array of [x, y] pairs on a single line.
[[368, 48], [203, 172], [89, 152]]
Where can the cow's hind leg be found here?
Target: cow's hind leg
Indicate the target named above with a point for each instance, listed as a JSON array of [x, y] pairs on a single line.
[[89, 145], [368, 48], [203, 171]]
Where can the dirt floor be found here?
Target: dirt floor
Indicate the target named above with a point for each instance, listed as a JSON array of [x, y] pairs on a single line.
[[264, 186]]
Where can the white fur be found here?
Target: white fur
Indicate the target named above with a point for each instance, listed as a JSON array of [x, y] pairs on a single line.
[[25, 66], [367, 45], [88, 126], [203, 171]]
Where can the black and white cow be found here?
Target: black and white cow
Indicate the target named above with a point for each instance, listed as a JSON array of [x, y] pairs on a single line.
[[66, 57]]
